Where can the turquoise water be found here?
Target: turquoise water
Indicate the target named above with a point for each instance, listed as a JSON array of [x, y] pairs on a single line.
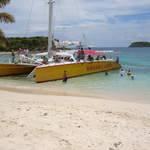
[[5, 58], [112, 86]]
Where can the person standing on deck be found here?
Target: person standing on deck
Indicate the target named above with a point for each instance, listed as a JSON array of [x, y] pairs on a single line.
[[82, 55], [13, 56], [26, 52]]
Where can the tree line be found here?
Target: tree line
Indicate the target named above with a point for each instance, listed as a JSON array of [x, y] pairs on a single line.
[[38, 43]]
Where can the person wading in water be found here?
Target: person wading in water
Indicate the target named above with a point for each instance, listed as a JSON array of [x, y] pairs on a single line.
[[65, 78]]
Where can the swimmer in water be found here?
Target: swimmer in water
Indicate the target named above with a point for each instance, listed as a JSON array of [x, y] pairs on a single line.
[[129, 72], [122, 71], [106, 73], [132, 77]]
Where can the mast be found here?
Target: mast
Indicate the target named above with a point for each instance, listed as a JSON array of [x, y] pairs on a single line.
[[85, 44], [51, 2]]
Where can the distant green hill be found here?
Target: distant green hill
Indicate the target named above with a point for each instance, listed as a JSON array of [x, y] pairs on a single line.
[[140, 44], [37, 43], [32, 43]]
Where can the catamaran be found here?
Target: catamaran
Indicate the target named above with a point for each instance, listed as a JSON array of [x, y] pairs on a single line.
[[71, 66], [15, 69]]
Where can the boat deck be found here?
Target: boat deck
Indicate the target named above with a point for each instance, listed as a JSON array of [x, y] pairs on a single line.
[[63, 63]]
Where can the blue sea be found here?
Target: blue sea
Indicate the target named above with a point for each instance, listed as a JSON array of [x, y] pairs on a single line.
[[112, 86]]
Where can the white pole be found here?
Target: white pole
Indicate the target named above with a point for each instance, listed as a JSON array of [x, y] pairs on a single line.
[[51, 2]]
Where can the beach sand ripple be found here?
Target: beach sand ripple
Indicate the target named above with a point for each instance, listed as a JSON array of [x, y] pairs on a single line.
[[50, 122]]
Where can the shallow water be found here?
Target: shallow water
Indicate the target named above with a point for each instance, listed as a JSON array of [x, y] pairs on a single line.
[[112, 86]]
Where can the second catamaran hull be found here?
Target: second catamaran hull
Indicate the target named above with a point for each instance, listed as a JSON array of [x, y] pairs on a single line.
[[15, 69], [56, 72]]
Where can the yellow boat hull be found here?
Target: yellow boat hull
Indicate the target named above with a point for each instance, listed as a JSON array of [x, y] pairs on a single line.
[[15, 69], [56, 72]]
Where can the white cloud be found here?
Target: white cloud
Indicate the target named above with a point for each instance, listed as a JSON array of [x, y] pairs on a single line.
[[74, 17]]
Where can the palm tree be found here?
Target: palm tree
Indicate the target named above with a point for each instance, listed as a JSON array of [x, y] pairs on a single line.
[[6, 18]]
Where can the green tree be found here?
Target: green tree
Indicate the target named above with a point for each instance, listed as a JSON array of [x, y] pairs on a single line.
[[4, 18]]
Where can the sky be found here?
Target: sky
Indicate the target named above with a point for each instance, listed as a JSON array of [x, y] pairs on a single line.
[[104, 23]]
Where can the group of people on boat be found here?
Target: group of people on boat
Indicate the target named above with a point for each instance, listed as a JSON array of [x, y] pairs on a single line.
[[18, 53], [79, 55], [59, 59], [84, 55], [24, 51]]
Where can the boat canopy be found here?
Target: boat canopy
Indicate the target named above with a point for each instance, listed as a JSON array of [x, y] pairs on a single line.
[[91, 52], [63, 54], [42, 54]]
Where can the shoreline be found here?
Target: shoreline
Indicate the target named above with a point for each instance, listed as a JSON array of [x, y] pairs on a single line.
[[55, 91], [43, 91], [31, 121], [5, 53]]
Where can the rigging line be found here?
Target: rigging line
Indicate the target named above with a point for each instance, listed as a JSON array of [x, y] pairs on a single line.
[[44, 18], [61, 13], [29, 19], [58, 12], [78, 20], [78, 8], [83, 37]]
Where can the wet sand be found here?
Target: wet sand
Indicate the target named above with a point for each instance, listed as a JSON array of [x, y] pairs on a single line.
[[30, 120]]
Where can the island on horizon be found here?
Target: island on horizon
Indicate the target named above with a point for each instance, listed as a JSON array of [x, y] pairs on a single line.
[[140, 44]]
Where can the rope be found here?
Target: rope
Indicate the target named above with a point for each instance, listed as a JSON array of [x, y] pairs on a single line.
[[29, 19]]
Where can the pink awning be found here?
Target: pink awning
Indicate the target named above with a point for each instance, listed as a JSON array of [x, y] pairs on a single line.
[[92, 52]]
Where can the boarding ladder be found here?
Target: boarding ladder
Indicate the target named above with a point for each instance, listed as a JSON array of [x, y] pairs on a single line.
[[31, 74]]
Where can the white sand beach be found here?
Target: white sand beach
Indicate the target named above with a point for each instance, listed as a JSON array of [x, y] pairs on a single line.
[[30, 121]]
